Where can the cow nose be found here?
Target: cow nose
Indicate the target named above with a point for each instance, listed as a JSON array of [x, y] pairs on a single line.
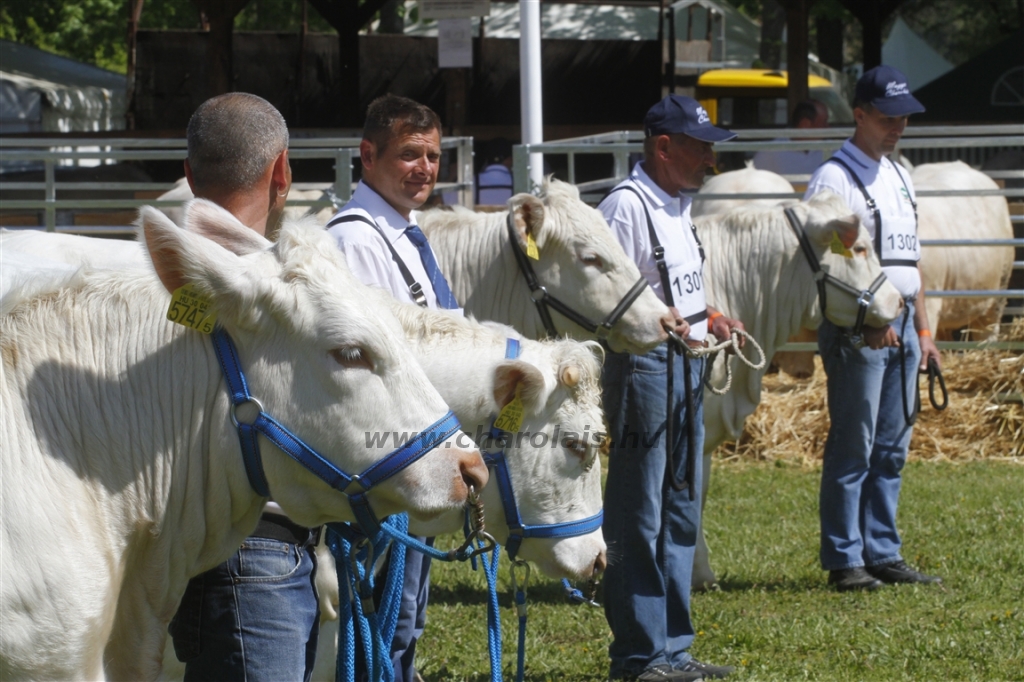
[[600, 563], [473, 470]]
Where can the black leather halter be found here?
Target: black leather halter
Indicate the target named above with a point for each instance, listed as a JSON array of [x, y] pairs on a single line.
[[543, 300], [821, 278]]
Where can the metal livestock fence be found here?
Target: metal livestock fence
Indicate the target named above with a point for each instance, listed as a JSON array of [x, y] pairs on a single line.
[[52, 153], [927, 144]]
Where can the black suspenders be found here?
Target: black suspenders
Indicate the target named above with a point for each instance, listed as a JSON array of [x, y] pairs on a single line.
[[873, 207], [659, 255], [415, 290]]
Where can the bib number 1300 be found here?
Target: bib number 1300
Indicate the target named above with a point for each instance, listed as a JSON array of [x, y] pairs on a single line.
[[688, 283]]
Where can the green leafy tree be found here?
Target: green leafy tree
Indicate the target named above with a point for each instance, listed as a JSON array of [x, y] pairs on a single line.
[[92, 31]]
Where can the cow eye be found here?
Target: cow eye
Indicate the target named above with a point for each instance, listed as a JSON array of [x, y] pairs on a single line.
[[592, 259], [860, 250], [352, 357]]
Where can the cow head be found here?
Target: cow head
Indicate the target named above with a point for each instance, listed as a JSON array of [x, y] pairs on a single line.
[[554, 460], [322, 360], [827, 221], [581, 264]]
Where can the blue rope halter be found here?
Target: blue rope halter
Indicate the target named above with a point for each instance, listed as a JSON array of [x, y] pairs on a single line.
[[354, 487]]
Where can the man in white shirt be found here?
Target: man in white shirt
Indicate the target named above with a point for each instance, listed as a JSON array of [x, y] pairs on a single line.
[[872, 378], [807, 114], [255, 617], [651, 520], [377, 231]]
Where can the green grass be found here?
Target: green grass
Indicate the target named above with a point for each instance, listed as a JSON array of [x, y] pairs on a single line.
[[774, 618]]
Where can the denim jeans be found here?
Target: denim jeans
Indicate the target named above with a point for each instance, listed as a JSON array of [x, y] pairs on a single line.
[[254, 618], [412, 613], [650, 528], [866, 447]]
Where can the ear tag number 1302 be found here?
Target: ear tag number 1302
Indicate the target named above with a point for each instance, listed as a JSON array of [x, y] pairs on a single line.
[[191, 309]]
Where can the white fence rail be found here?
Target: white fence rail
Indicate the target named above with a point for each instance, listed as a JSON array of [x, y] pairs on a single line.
[[620, 145], [59, 152]]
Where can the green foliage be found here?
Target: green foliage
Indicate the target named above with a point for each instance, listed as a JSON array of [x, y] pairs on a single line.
[[92, 31], [961, 29], [774, 617]]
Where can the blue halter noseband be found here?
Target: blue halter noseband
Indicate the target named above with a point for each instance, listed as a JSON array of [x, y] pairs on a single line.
[[519, 531], [354, 487]]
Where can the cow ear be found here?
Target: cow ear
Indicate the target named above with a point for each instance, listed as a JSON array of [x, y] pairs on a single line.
[[569, 375], [528, 218], [181, 257], [209, 220], [512, 377], [848, 229]]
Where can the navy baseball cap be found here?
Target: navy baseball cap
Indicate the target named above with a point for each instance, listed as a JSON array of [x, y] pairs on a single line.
[[677, 114], [886, 89]]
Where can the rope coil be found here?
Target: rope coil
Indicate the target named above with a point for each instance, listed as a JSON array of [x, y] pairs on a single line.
[[714, 348]]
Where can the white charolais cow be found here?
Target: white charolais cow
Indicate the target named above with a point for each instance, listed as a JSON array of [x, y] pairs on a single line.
[[742, 181], [579, 262], [554, 465], [946, 268], [757, 273], [122, 472]]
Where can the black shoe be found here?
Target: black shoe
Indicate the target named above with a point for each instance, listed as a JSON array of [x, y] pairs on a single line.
[[900, 572], [857, 578], [664, 673], [706, 670]]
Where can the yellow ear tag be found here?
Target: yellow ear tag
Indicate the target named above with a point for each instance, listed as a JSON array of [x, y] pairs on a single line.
[[838, 247], [191, 309], [511, 417], [531, 247]]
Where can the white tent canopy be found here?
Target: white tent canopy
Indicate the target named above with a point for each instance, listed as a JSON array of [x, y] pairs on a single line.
[[43, 92], [908, 52]]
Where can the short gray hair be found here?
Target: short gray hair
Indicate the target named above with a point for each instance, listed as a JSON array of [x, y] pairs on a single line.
[[232, 139]]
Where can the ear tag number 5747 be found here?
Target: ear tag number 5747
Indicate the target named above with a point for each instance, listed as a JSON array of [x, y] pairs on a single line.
[[191, 309]]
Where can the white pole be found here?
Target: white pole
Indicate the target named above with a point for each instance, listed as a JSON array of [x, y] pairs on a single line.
[[530, 84]]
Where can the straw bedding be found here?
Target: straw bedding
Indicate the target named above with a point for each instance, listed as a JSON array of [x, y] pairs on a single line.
[[985, 417]]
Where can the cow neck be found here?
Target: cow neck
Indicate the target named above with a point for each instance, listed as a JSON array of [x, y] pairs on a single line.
[[770, 293], [484, 273]]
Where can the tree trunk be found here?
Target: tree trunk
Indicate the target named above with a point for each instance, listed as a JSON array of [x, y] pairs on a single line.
[[390, 21], [134, 14], [773, 21], [871, 23], [796, 52], [347, 17], [830, 42], [220, 75]]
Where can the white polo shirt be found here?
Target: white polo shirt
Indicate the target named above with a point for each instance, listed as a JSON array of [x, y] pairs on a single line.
[[369, 257], [891, 188], [670, 216]]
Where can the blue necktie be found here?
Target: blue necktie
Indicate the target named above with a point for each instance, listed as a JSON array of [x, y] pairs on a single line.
[[445, 298]]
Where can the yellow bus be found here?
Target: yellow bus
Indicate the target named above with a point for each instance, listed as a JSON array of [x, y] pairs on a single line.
[[756, 98]]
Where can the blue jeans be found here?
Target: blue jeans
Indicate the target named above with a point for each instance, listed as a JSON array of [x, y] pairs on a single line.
[[650, 528], [412, 613], [866, 447], [254, 618]]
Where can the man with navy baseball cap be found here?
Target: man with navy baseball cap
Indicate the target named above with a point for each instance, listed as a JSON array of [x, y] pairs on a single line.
[[872, 376], [650, 517]]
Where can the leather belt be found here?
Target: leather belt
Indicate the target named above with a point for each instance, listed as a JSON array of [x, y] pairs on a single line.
[[283, 529]]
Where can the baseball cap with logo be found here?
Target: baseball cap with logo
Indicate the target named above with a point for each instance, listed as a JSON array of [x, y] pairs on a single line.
[[886, 89], [677, 114]]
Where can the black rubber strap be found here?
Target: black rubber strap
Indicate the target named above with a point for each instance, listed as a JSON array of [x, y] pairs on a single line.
[[283, 529], [415, 289]]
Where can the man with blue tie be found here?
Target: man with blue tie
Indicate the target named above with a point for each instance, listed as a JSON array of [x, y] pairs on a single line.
[[377, 231]]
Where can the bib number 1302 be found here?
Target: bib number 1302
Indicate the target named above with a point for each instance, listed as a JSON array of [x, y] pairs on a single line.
[[903, 242], [688, 283]]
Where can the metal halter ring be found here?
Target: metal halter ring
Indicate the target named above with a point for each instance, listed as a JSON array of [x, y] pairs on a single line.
[[865, 298], [234, 409]]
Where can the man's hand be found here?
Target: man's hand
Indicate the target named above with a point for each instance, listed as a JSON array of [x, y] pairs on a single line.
[[880, 337], [929, 351], [722, 326], [682, 327]]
